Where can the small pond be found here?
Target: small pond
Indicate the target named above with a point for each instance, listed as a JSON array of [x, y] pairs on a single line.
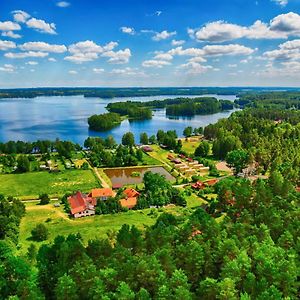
[[124, 176]]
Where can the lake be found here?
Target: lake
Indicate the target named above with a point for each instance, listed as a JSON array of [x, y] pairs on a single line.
[[123, 176], [66, 118]]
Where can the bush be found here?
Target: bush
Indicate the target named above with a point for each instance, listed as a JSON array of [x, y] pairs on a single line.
[[40, 233], [44, 199]]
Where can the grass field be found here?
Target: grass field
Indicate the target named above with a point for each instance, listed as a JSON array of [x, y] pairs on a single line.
[[58, 222], [90, 227], [30, 185], [189, 146]]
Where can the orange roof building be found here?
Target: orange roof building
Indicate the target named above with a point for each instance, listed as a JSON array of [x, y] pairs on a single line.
[[102, 193], [82, 205], [131, 197], [129, 192], [129, 202]]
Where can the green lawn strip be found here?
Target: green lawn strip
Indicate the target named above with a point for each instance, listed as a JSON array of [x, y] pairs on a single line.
[[32, 184]]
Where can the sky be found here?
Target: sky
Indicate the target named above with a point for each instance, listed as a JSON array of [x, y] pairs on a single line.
[[148, 43]]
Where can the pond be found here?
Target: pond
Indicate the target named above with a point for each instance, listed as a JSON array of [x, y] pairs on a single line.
[[124, 176], [66, 118]]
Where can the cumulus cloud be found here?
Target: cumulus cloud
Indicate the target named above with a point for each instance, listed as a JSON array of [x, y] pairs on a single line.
[[231, 50], [8, 68], [98, 70], [11, 34], [73, 72], [42, 46], [153, 63], [128, 30], [280, 27], [163, 56], [177, 42], [52, 59], [88, 51], [32, 63], [41, 26], [20, 16], [9, 26], [195, 68], [63, 4], [163, 35], [25, 54], [6, 45], [118, 57], [287, 51]]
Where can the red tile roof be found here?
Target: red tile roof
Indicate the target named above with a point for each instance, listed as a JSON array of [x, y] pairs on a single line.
[[129, 202], [80, 202], [198, 185], [103, 192], [131, 193]]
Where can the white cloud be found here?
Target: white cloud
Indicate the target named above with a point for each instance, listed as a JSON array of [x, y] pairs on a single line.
[[287, 51], [8, 68], [158, 13], [118, 57], [231, 50], [52, 59], [42, 46], [98, 70], [6, 45], [41, 26], [127, 71], [281, 2], [177, 42], [288, 24], [25, 54], [72, 72], [20, 16], [63, 4], [155, 63], [88, 51], [128, 30], [11, 34], [163, 56], [9, 26], [85, 47], [280, 27], [232, 65], [79, 58], [195, 68], [163, 35], [32, 63]]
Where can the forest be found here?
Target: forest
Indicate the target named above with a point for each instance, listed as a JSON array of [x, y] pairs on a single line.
[[104, 121], [117, 92], [130, 109], [253, 253]]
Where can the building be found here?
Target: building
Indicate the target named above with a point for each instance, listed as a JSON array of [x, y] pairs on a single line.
[[131, 198], [102, 193], [199, 185], [82, 205]]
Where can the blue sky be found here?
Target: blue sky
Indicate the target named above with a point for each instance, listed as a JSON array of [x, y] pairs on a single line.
[[149, 43]]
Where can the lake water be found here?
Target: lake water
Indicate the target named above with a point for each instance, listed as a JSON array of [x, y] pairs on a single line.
[[66, 118], [123, 176]]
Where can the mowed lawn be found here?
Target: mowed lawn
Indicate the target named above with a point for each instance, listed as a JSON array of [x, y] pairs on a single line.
[[30, 185], [58, 223]]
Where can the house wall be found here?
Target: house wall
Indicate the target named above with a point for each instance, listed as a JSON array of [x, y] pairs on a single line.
[[85, 213]]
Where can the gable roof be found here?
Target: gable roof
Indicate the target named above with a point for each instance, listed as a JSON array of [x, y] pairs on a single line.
[[129, 202], [102, 192], [129, 192], [80, 202]]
